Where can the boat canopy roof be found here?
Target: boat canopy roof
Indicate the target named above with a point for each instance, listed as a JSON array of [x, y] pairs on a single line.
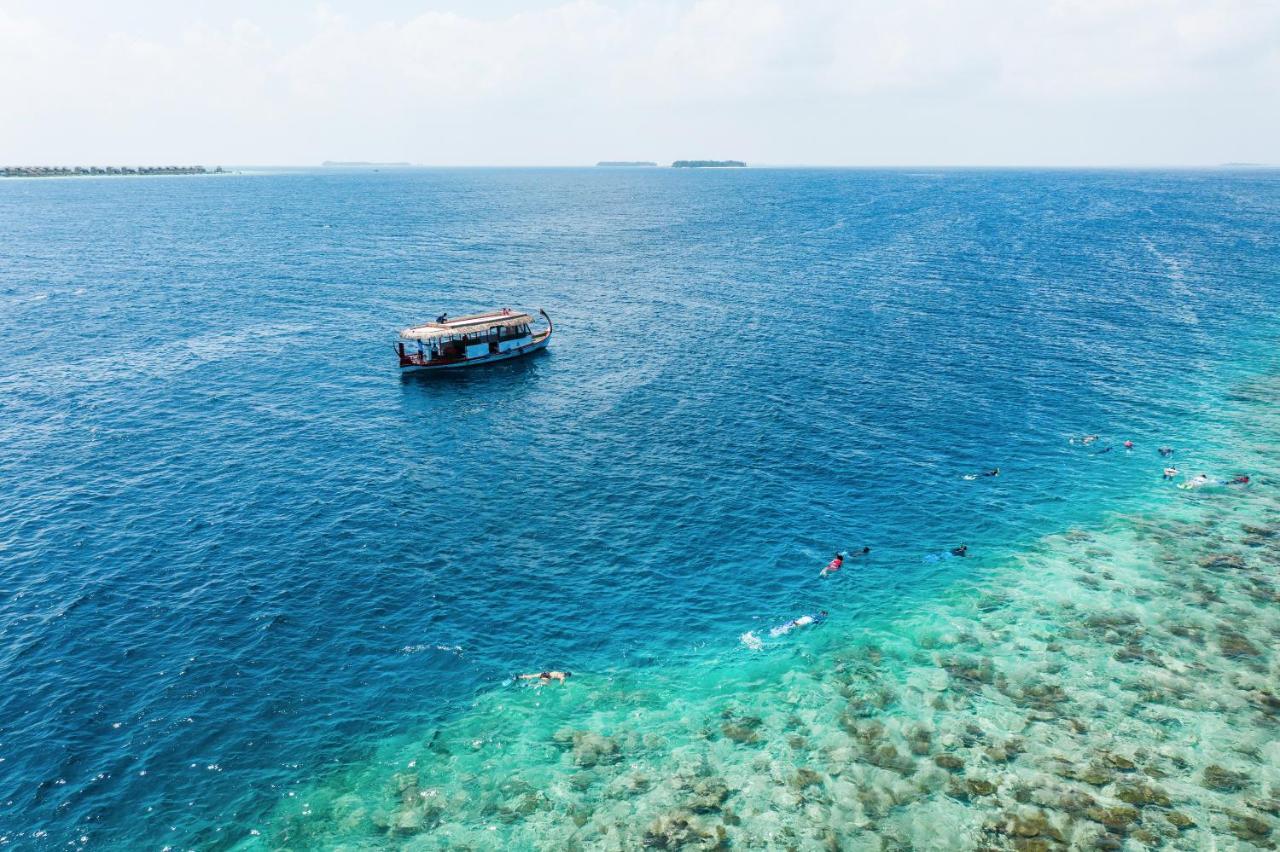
[[473, 324]]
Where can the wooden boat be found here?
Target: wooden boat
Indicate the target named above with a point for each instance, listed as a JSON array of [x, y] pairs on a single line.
[[470, 341]]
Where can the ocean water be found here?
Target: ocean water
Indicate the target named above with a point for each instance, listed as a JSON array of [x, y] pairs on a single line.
[[260, 591]]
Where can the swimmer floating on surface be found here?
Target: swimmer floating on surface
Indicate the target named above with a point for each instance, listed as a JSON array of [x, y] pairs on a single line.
[[1203, 479], [835, 564], [954, 553], [1170, 472], [545, 677], [995, 471], [752, 641], [802, 621]]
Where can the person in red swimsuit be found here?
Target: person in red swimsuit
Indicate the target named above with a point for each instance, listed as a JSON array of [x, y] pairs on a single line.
[[835, 564]]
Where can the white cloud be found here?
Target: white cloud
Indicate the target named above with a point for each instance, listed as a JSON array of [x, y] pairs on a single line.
[[569, 82]]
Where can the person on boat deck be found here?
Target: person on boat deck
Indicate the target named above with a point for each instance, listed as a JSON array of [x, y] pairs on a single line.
[[546, 677], [1170, 472], [802, 621], [962, 550], [443, 317]]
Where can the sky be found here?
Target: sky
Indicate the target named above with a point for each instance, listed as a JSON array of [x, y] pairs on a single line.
[[570, 82]]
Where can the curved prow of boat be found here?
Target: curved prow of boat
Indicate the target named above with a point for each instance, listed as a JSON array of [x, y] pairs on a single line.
[[471, 340]]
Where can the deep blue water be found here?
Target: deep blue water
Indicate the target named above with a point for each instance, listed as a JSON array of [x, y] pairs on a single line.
[[237, 547]]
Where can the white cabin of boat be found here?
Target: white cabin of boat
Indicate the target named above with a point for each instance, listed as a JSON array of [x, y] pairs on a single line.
[[476, 338]]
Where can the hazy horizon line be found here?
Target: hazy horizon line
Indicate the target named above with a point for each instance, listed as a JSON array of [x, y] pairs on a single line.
[[361, 165]]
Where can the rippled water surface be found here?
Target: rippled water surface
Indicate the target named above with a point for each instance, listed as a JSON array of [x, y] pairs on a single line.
[[259, 590]]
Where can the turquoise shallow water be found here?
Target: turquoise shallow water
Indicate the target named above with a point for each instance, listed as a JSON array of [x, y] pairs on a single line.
[[257, 590], [1110, 686]]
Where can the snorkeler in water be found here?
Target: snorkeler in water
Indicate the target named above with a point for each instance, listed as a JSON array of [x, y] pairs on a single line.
[[1128, 445], [545, 677], [1170, 472], [802, 621], [1195, 482], [1166, 451], [835, 564], [1088, 439], [1101, 451], [1242, 479], [953, 553]]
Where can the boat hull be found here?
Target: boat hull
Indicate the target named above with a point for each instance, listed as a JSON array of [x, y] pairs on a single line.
[[462, 363]]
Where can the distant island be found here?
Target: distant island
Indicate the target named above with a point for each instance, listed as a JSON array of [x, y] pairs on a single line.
[[72, 171], [625, 163], [708, 164], [350, 163]]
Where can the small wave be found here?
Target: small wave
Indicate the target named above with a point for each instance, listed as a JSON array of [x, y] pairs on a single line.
[[418, 649]]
